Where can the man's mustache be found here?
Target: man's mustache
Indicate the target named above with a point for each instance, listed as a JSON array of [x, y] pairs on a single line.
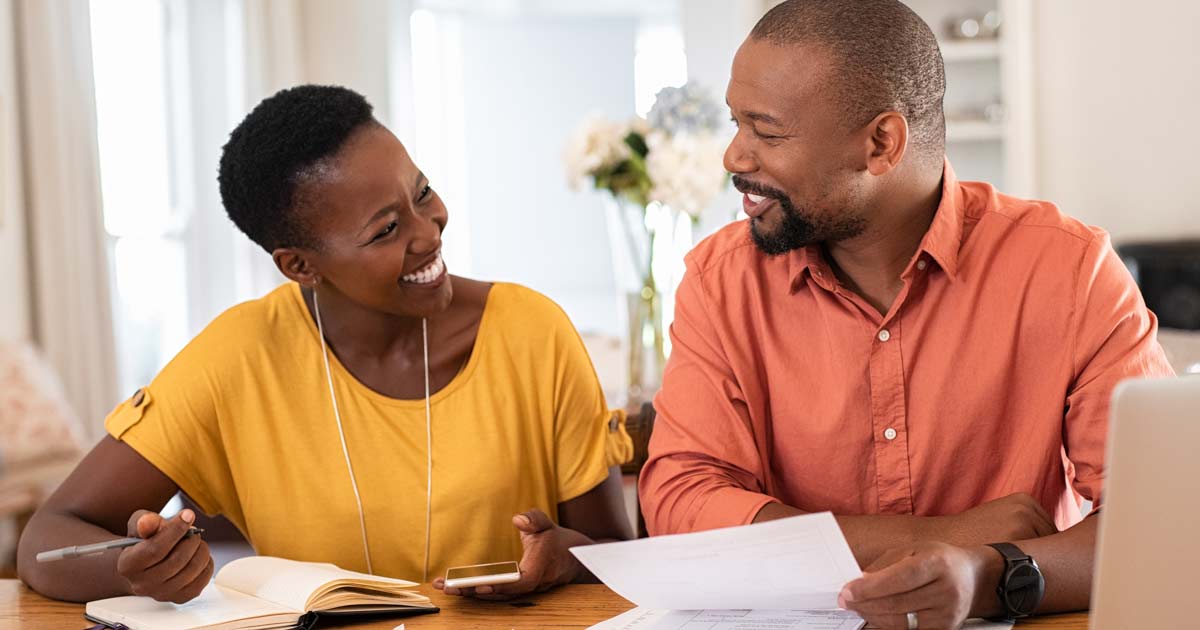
[[748, 187]]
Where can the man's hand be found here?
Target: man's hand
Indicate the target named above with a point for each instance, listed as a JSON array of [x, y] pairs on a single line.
[[942, 584], [1014, 517], [546, 562], [168, 565]]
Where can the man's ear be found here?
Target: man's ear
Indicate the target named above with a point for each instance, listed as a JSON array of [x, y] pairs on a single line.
[[297, 265], [887, 141]]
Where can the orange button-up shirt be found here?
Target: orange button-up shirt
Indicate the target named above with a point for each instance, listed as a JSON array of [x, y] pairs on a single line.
[[990, 374]]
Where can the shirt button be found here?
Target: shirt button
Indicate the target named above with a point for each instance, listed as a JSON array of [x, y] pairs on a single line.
[[884, 335], [890, 433], [921, 264]]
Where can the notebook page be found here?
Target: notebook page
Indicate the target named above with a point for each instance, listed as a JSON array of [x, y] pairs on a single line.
[[215, 607], [289, 582]]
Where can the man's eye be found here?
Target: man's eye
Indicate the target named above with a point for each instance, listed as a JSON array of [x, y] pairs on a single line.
[[425, 192]]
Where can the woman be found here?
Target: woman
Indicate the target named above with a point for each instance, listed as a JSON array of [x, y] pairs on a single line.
[[375, 412]]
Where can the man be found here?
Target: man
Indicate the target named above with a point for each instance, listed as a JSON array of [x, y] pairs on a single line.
[[928, 359]]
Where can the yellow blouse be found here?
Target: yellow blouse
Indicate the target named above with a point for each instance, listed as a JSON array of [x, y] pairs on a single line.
[[242, 421]]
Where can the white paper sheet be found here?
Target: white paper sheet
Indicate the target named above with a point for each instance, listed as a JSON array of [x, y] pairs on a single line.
[[646, 619], [798, 563]]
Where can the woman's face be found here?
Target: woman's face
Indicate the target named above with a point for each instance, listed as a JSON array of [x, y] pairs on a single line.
[[379, 227]]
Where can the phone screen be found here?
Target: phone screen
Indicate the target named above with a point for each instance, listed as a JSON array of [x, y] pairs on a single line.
[[480, 570]]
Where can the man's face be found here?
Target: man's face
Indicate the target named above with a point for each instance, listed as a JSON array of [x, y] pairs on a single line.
[[797, 162]]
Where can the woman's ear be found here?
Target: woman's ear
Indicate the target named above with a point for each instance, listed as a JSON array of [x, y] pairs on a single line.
[[297, 266]]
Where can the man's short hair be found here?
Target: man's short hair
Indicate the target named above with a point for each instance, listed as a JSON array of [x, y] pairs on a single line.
[[268, 152], [885, 56]]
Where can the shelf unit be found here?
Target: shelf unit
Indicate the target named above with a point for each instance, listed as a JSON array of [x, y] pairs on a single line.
[[983, 72], [974, 131], [954, 51]]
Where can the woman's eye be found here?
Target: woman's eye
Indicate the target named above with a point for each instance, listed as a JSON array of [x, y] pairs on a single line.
[[391, 227], [425, 192]]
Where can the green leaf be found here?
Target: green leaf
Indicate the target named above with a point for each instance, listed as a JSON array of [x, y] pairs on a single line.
[[637, 144]]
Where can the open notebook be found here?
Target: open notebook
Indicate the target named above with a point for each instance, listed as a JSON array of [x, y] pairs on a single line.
[[261, 592]]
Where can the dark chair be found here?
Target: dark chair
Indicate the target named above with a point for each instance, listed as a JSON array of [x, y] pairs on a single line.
[[639, 425], [216, 528], [1168, 274]]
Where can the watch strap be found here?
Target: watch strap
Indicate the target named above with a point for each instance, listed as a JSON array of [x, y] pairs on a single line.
[[1014, 557]]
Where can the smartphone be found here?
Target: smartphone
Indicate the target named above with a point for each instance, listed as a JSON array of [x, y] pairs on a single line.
[[483, 574]]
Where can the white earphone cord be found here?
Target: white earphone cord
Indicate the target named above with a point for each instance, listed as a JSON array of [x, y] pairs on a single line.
[[428, 452], [362, 521]]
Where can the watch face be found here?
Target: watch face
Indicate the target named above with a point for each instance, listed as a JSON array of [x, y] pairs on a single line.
[[1023, 589]]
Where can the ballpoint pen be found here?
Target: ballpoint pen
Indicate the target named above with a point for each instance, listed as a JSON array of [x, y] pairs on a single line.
[[79, 551]]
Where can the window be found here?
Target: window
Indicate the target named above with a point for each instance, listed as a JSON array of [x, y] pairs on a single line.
[[659, 61], [143, 225]]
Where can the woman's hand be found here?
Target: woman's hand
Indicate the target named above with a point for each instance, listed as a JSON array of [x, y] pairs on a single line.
[[168, 565], [546, 562]]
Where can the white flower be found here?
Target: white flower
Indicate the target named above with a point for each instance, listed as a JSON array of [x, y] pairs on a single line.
[[687, 169], [597, 143], [686, 109]]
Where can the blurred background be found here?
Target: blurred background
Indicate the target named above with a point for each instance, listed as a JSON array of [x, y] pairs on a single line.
[[114, 248]]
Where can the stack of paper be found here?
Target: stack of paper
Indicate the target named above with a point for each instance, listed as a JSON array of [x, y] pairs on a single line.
[[783, 575], [647, 619]]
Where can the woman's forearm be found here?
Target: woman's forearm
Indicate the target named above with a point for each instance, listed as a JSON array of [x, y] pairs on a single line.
[[78, 580]]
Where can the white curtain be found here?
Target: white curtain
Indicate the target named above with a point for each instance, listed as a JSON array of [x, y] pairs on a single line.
[[272, 59], [273, 48], [15, 324], [71, 310]]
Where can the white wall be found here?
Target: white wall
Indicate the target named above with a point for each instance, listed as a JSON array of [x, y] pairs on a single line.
[[1117, 84], [712, 32], [15, 316], [528, 82], [352, 44]]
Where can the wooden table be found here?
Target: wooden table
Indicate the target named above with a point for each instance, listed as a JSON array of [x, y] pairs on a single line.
[[575, 606]]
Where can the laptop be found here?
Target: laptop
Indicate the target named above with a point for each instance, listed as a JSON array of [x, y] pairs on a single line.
[[1149, 534]]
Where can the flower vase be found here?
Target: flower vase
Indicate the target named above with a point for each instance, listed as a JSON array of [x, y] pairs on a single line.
[[645, 344], [633, 236]]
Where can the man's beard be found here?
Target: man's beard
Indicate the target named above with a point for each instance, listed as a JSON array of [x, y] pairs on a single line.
[[796, 229]]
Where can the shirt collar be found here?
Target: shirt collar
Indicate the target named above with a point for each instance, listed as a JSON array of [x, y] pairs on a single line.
[[807, 263], [944, 237], [941, 242]]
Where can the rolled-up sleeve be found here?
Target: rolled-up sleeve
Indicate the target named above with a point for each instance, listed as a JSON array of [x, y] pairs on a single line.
[[1116, 339], [704, 469]]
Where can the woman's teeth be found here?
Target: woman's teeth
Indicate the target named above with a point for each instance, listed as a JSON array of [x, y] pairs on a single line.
[[428, 274]]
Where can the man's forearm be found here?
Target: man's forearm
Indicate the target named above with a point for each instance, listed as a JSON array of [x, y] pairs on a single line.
[[869, 536], [1009, 518], [1066, 560]]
